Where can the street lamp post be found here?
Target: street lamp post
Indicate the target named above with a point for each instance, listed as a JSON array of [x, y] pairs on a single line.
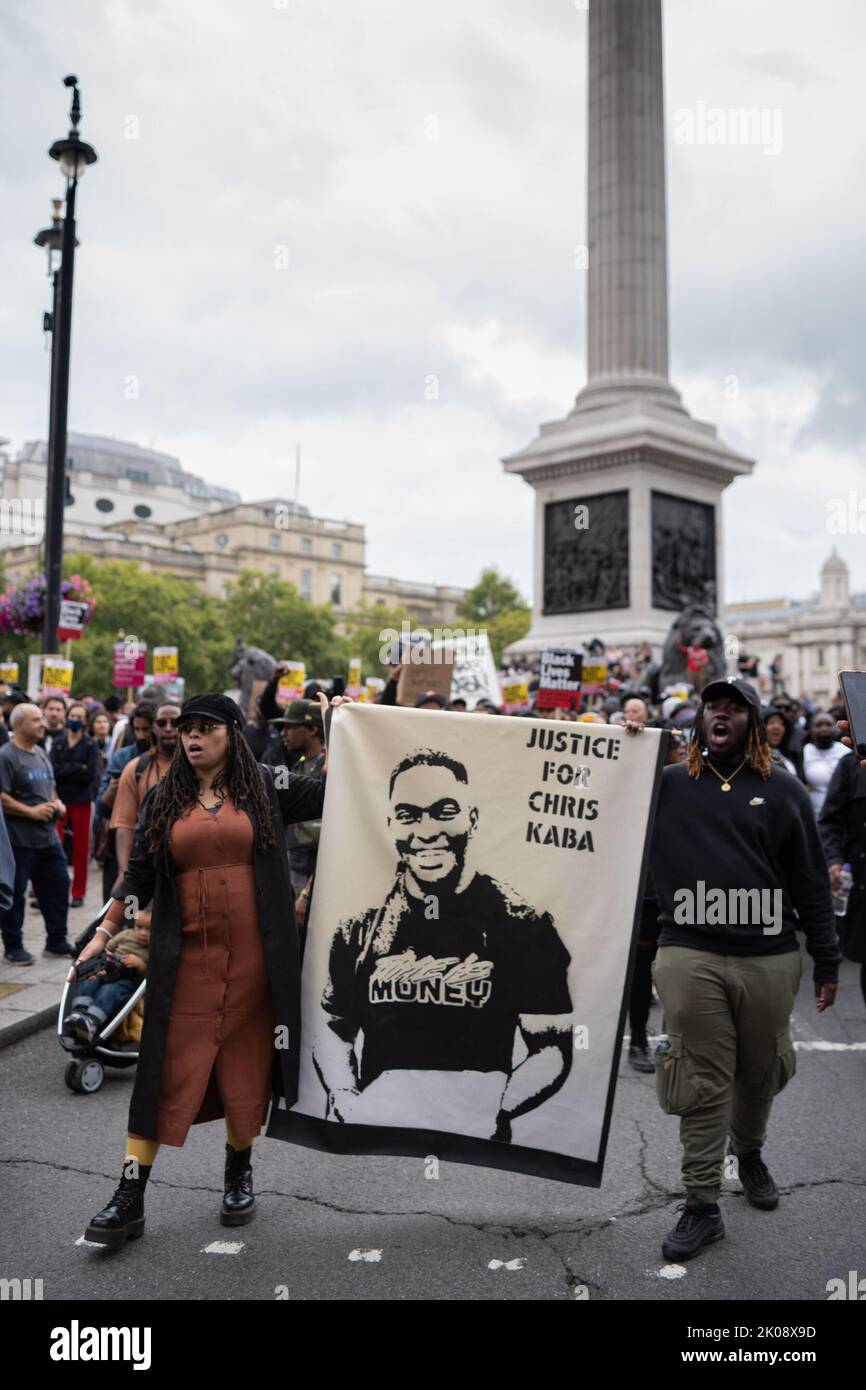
[[52, 239], [73, 155]]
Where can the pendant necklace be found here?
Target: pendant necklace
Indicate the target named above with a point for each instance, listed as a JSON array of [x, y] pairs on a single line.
[[726, 781]]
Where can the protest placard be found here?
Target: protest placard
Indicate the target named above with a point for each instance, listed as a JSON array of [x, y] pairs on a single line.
[[291, 685], [594, 677], [559, 679], [130, 663], [473, 676], [165, 665], [430, 670], [515, 694], [56, 676], [353, 686], [73, 619]]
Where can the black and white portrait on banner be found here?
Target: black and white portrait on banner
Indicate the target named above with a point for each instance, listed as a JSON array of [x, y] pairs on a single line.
[[470, 938]]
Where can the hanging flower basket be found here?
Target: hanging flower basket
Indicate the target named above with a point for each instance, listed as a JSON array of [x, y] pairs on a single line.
[[22, 605]]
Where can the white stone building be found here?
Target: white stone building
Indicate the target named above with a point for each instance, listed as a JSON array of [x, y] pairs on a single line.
[[109, 480], [816, 637]]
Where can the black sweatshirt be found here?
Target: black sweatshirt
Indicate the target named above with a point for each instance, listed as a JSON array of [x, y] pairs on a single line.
[[759, 835]]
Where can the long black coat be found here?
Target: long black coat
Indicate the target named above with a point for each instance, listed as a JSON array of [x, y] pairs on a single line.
[[150, 879], [843, 829]]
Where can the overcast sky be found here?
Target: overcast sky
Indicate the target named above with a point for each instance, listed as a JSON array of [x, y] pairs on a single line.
[[421, 168]]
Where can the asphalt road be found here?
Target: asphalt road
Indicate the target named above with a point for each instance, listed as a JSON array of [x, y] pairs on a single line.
[[378, 1228]]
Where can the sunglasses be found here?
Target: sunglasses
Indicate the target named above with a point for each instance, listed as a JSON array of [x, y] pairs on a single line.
[[206, 727], [164, 723]]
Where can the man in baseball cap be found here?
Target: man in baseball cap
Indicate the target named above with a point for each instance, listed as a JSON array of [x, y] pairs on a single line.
[[303, 736], [738, 869], [302, 719], [729, 687]]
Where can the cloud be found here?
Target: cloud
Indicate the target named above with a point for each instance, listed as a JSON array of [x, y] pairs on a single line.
[[302, 213]]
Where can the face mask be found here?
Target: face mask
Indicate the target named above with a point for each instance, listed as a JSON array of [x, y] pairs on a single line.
[[75, 724]]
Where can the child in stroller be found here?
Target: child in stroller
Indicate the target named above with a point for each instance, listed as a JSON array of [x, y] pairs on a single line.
[[98, 998]]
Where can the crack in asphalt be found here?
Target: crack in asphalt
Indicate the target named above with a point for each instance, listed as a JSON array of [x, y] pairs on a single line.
[[582, 1228]]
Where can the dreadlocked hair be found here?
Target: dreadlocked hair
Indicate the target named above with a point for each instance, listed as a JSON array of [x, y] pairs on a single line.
[[241, 780], [757, 750]]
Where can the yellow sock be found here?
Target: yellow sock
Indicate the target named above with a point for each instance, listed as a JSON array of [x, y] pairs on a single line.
[[237, 1144], [143, 1151]]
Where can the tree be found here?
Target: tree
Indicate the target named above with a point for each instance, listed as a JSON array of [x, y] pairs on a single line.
[[369, 628], [160, 609], [269, 612], [495, 605]]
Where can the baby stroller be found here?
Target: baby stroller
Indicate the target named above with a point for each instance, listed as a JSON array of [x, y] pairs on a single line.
[[85, 1073]]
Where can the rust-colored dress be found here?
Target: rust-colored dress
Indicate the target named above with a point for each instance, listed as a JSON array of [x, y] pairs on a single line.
[[220, 1045]]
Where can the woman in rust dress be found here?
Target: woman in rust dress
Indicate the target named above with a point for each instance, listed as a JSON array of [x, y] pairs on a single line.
[[222, 1008]]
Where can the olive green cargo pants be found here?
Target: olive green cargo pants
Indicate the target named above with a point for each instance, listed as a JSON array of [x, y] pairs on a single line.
[[728, 1020]]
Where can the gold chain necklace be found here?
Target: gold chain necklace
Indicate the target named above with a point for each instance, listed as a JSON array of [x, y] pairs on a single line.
[[726, 781]]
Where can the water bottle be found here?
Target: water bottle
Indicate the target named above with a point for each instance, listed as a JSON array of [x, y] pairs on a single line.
[[840, 897]]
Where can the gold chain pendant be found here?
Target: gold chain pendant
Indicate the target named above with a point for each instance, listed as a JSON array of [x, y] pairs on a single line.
[[726, 786]]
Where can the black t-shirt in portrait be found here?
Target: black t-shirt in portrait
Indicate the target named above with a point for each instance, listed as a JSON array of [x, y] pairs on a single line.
[[446, 994]]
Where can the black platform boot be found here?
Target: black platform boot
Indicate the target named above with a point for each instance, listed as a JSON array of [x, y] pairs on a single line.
[[239, 1204], [123, 1218]]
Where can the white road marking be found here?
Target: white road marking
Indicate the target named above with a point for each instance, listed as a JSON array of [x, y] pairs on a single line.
[[95, 1244], [371, 1256], [506, 1264], [223, 1247], [671, 1272]]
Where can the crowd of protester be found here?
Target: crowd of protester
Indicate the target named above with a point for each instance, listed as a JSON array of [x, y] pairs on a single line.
[[74, 774]]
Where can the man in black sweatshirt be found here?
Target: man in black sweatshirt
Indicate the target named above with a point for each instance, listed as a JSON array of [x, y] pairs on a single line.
[[738, 867]]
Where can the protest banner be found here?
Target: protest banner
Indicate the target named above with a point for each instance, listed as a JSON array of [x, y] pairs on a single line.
[[515, 694], [130, 663], [428, 670], [559, 679], [9, 672], [165, 665], [56, 676], [465, 995], [73, 620], [291, 685]]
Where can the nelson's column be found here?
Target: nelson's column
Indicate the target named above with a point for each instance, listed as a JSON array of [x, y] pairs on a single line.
[[628, 486]]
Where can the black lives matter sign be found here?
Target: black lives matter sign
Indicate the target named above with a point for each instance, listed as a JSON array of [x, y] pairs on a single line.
[[559, 680]]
